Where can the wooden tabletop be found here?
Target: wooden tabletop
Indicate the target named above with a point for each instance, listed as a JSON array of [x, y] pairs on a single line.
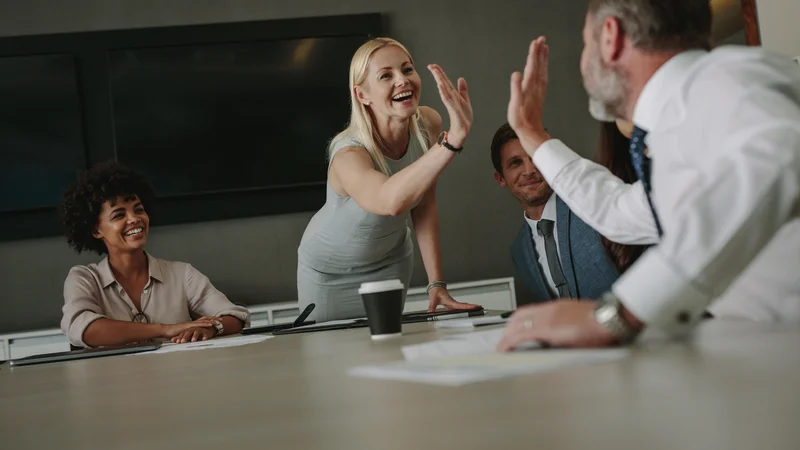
[[734, 386]]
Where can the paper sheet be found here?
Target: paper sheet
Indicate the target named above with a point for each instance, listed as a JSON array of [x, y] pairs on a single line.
[[169, 347], [457, 344], [465, 369], [471, 323]]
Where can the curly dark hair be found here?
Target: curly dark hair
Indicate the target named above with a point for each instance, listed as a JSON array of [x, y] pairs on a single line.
[[83, 200]]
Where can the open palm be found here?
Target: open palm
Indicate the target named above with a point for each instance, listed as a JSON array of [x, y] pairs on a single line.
[[528, 92], [457, 103]]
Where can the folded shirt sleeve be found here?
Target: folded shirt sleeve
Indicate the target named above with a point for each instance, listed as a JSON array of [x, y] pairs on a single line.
[[206, 300], [81, 304]]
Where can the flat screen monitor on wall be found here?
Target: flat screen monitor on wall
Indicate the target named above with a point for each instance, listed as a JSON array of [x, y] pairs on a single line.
[[225, 120], [227, 117], [41, 141]]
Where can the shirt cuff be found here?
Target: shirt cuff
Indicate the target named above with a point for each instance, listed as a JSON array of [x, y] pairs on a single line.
[[551, 157], [658, 295]]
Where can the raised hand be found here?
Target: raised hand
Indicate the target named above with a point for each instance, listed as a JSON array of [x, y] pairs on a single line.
[[527, 98], [458, 105]]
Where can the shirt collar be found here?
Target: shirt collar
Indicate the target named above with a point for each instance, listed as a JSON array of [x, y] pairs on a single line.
[[104, 271], [107, 276], [549, 212], [154, 267], [661, 87]]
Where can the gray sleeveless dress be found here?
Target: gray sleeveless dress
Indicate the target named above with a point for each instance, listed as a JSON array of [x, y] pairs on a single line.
[[344, 246]]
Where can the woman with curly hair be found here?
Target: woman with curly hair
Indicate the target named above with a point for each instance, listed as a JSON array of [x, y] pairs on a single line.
[[131, 296]]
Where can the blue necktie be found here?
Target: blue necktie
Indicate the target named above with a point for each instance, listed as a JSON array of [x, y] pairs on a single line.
[[641, 164]]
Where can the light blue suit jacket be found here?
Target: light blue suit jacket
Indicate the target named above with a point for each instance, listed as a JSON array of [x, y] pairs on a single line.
[[588, 269]]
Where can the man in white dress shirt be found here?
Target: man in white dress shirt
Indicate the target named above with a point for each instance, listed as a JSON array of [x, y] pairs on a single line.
[[620, 212], [723, 132]]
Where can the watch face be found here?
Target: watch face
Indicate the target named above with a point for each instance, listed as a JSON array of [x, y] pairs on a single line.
[[606, 313]]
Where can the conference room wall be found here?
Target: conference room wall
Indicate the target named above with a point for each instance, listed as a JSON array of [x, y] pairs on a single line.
[[253, 260], [777, 21]]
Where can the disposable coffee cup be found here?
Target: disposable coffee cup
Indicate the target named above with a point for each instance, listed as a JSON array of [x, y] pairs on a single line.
[[383, 302]]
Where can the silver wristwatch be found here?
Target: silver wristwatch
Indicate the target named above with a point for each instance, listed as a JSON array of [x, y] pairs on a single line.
[[219, 326], [607, 314]]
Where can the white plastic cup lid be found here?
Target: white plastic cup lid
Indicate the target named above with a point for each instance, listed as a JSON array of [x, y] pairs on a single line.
[[380, 286]]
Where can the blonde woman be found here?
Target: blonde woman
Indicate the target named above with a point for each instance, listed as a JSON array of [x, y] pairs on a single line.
[[382, 170]]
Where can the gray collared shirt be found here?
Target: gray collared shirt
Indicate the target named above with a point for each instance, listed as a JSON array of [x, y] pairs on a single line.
[[175, 293]]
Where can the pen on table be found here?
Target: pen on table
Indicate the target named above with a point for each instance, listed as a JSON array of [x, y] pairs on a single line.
[[448, 317]]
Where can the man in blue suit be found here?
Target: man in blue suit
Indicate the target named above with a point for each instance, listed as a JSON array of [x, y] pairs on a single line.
[[555, 252]]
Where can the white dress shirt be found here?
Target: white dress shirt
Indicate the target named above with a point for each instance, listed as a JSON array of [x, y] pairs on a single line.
[[548, 213], [724, 136]]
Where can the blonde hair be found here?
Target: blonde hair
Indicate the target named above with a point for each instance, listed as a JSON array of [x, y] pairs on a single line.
[[360, 126]]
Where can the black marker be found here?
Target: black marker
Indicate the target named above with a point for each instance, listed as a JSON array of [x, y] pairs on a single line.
[[302, 317]]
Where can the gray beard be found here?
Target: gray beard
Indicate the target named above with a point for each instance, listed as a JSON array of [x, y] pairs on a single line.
[[600, 111]]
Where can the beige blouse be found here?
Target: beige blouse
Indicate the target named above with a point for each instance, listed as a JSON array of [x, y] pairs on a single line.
[[175, 293]]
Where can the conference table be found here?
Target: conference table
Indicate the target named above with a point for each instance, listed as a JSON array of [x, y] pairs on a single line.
[[731, 386]]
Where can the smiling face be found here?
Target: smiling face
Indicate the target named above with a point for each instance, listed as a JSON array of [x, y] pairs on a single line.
[[391, 85], [123, 225], [521, 177]]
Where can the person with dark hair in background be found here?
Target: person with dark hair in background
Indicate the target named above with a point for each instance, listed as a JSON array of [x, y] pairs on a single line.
[[555, 253], [613, 155], [720, 175], [131, 296]]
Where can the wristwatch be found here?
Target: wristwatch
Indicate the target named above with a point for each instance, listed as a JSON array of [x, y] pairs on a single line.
[[219, 326], [442, 140], [607, 314]]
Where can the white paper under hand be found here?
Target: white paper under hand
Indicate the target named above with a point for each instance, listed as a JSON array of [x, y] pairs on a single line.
[[454, 345], [471, 323], [212, 343], [465, 369]]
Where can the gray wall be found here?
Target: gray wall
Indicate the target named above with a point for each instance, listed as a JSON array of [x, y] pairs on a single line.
[[777, 23], [253, 260]]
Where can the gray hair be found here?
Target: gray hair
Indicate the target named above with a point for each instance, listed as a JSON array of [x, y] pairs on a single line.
[[658, 25]]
